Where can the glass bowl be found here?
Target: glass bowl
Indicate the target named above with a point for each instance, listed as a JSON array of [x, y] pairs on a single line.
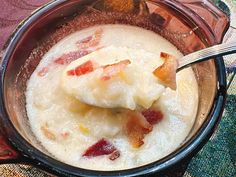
[[183, 23]]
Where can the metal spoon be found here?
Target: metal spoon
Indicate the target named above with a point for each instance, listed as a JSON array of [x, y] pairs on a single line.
[[206, 54]]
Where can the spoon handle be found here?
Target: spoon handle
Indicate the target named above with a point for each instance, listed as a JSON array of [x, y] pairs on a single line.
[[206, 54]]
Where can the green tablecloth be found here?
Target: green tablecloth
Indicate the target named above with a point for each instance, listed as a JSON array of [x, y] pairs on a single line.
[[218, 157]]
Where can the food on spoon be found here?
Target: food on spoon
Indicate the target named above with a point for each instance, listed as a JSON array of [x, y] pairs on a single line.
[[100, 82], [113, 69], [167, 71], [113, 65]]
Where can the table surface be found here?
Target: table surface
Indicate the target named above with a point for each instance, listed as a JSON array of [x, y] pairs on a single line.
[[217, 158]]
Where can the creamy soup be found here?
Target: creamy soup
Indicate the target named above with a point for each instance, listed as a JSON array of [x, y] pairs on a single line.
[[87, 118]]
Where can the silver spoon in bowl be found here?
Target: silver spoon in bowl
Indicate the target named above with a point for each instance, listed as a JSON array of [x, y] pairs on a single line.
[[206, 54]]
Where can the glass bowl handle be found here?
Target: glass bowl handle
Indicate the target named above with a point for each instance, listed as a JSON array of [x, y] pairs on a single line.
[[7, 153], [215, 19]]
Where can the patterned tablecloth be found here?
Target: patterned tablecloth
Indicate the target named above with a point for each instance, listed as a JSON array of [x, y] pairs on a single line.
[[216, 159]]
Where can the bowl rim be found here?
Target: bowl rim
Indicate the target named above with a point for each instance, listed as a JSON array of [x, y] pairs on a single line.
[[55, 166]]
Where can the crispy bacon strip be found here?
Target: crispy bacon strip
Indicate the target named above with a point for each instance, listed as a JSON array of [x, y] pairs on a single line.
[[102, 147], [90, 41], [136, 128], [64, 59], [166, 73], [152, 116], [82, 69], [112, 69]]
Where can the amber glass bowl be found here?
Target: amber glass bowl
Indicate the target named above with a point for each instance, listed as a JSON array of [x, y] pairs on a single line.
[[189, 24]]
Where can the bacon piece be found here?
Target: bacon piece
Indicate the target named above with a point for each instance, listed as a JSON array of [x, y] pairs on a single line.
[[136, 128], [152, 116], [166, 73], [112, 69], [114, 155], [43, 71], [102, 147], [91, 41], [69, 57], [82, 69]]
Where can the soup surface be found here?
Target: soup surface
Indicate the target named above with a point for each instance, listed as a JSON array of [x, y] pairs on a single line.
[[105, 138]]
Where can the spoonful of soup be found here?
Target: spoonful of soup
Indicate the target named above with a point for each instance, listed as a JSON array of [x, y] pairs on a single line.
[[114, 77], [122, 77]]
